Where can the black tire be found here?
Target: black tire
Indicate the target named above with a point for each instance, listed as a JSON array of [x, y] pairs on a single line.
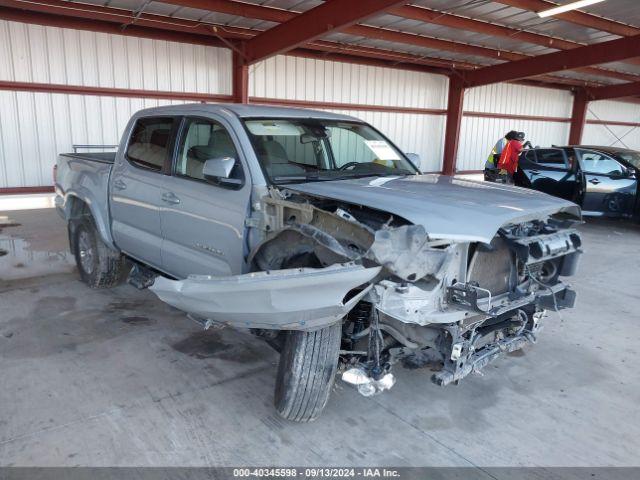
[[306, 372], [104, 267]]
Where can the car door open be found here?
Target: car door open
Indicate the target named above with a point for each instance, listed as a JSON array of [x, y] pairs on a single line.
[[548, 170], [608, 187]]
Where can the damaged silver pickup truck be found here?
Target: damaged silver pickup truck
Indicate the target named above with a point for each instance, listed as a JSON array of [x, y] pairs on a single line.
[[315, 232]]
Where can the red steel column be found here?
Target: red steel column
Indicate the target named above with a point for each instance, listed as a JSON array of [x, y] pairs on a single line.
[[454, 119], [578, 116], [240, 79]]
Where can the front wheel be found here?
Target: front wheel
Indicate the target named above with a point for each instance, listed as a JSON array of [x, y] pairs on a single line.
[[306, 372], [99, 266]]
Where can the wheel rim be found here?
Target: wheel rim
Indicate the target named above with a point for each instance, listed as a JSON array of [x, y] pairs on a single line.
[[86, 251]]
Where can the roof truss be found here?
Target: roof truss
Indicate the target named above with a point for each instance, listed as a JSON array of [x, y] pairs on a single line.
[[304, 30], [614, 91], [612, 51], [308, 26]]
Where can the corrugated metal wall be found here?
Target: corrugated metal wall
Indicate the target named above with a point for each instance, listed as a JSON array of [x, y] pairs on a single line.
[[314, 80], [34, 127], [618, 135], [479, 134], [32, 53]]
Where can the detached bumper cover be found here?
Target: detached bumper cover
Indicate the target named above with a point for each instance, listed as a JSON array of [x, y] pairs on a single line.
[[290, 299]]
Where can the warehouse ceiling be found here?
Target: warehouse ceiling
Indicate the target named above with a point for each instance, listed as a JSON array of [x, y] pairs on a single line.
[[442, 36]]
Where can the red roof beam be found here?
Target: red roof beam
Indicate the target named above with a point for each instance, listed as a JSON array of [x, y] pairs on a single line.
[[612, 51], [614, 91], [455, 21], [272, 14], [308, 26]]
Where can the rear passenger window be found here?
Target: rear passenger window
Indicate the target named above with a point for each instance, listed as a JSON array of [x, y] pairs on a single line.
[[149, 143], [550, 157]]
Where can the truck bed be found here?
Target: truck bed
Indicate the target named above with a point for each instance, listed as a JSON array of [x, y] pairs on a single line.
[[85, 177], [103, 157]]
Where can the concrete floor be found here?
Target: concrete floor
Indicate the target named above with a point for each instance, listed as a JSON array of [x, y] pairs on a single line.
[[115, 377]]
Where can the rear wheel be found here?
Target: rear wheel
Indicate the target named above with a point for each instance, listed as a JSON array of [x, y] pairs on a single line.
[[306, 372], [99, 266]]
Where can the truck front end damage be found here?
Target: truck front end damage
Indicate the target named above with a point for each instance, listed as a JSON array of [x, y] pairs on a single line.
[[402, 295]]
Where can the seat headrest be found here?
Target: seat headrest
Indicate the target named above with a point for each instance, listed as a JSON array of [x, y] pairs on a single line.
[[222, 144], [159, 138], [274, 151]]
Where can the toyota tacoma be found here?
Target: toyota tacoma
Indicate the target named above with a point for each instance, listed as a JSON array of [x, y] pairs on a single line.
[[315, 232]]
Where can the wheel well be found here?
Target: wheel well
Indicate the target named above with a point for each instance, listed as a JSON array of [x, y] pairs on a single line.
[[78, 210]]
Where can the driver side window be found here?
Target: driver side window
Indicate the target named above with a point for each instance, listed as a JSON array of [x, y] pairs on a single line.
[[598, 163], [202, 140]]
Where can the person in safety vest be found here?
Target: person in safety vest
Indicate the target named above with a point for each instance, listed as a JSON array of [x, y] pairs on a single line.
[[494, 156], [508, 162]]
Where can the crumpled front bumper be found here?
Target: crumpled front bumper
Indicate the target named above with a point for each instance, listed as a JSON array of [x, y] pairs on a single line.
[[290, 299]]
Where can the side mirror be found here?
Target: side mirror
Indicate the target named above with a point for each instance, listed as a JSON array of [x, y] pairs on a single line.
[[218, 171], [619, 174], [415, 159]]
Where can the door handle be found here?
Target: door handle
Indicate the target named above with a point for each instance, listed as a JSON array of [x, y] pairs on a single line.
[[119, 185], [170, 197], [595, 181], [534, 172]]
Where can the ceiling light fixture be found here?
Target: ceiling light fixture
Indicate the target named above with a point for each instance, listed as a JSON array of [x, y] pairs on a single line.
[[568, 7]]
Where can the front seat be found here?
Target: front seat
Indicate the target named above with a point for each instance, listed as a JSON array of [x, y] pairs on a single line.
[[275, 160], [220, 145]]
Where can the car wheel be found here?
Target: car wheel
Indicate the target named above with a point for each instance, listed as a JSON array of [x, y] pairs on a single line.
[[306, 372], [99, 266]]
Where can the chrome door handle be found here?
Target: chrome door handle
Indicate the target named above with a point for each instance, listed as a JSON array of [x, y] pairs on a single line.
[[534, 172], [170, 197], [119, 185], [595, 181]]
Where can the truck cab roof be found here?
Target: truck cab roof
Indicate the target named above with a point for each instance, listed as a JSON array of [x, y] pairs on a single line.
[[246, 111]]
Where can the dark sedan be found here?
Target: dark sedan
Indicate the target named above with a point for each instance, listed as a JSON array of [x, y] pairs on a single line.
[[602, 180]]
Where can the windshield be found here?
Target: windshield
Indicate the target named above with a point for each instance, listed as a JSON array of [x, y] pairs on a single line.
[[632, 157], [298, 150]]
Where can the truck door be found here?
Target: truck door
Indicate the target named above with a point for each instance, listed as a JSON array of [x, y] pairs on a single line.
[[548, 170], [203, 223], [608, 187], [135, 188]]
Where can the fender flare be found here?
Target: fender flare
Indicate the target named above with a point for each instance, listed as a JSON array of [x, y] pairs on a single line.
[[76, 205]]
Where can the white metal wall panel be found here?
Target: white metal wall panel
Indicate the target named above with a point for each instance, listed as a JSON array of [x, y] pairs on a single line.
[[35, 127], [479, 134], [618, 135], [507, 98], [33, 53], [614, 135], [297, 78], [612, 110]]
